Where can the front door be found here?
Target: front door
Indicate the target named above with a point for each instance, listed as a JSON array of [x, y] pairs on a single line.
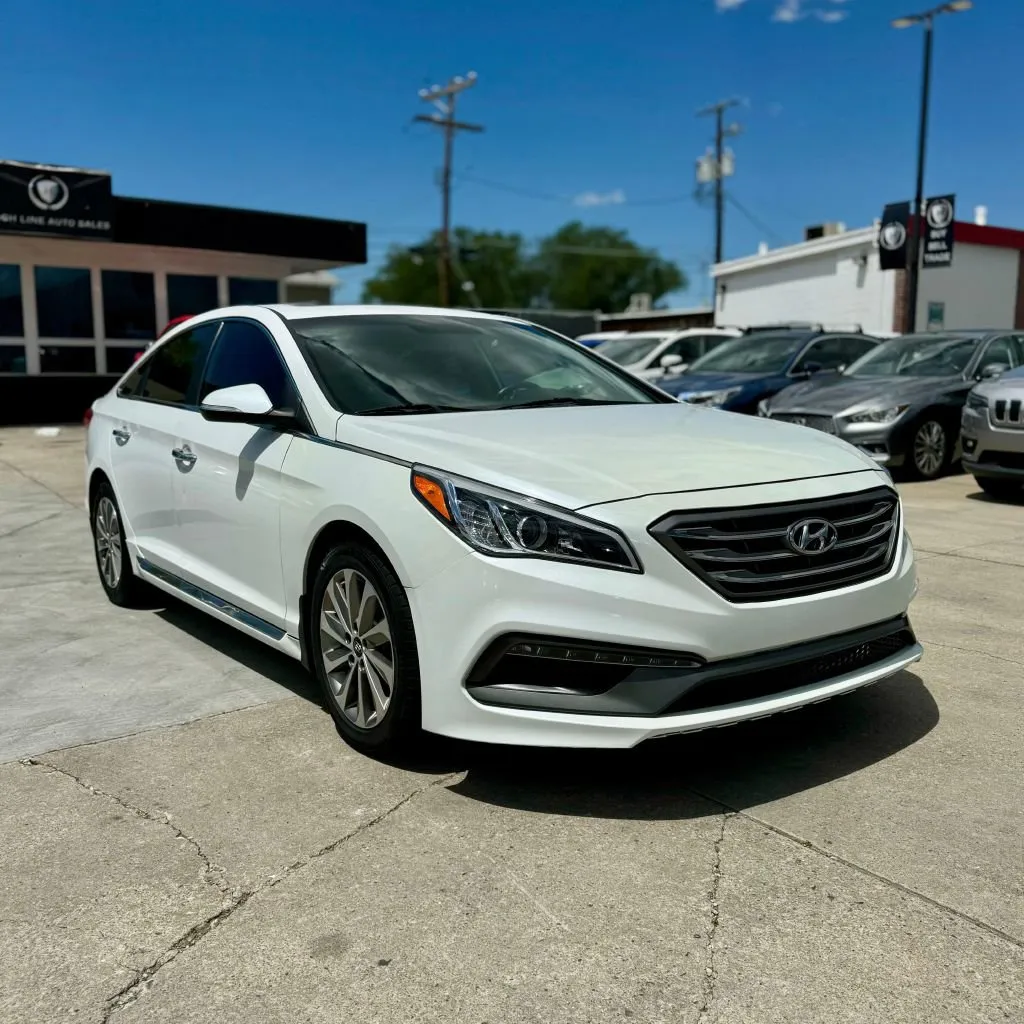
[[228, 487]]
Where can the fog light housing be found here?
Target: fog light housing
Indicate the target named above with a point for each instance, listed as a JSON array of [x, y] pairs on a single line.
[[968, 443]]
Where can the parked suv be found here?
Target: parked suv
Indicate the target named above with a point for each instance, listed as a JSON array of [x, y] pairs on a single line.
[[993, 434], [462, 523], [739, 374]]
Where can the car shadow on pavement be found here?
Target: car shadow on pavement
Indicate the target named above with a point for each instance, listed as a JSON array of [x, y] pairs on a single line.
[[988, 499], [695, 775]]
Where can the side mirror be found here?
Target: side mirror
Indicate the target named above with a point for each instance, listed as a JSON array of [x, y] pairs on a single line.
[[810, 369], [672, 359], [244, 403], [992, 370]]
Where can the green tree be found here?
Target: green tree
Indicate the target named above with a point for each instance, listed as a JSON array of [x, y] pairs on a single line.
[[599, 268], [493, 262]]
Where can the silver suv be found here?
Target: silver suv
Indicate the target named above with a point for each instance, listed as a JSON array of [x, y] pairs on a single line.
[[993, 434]]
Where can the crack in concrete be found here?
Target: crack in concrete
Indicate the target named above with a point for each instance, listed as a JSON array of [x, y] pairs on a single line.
[[710, 968], [969, 650], [213, 874], [35, 522], [39, 483], [868, 872], [140, 982]]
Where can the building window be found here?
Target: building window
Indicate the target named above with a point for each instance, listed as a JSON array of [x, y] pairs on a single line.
[[64, 302], [190, 294], [11, 323], [251, 291], [129, 304], [119, 357], [12, 358], [67, 359]]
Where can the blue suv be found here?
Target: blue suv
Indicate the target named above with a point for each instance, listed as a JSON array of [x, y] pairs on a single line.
[[740, 373]]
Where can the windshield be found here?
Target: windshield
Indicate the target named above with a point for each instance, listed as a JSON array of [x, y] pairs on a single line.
[[752, 355], [926, 355], [626, 351], [379, 364]]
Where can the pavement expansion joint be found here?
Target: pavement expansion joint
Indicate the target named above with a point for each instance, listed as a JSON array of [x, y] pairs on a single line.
[[808, 844], [140, 983], [710, 970]]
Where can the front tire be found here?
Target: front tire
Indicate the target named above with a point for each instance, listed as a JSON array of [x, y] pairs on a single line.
[[363, 648], [931, 449], [119, 581], [996, 488]]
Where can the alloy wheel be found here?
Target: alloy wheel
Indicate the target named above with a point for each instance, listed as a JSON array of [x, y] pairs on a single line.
[[356, 649], [929, 448], [107, 528]]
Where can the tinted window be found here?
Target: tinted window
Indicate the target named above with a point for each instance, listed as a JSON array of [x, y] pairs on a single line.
[[626, 351], [133, 382], [1002, 350], [12, 358], [190, 294], [176, 365], [251, 291], [67, 359], [376, 363], [246, 354], [11, 323], [119, 357], [129, 307], [831, 353], [64, 302], [759, 353]]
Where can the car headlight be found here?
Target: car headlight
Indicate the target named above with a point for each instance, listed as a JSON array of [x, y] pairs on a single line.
[[504, 525], [976, 402], [762, 407], [878, 415], [709, 397]]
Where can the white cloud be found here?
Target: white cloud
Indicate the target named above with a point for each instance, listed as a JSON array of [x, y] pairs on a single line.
[[789, 11], [614, 198], [728, 5]]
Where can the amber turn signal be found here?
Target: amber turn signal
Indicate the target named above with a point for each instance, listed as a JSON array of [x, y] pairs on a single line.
[[432, 493]]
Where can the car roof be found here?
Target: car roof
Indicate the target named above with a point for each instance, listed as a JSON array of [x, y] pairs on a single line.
[[290, 312]]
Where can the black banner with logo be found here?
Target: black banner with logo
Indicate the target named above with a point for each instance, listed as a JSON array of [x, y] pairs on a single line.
[[892, 237], [940, 213], [36, 199]]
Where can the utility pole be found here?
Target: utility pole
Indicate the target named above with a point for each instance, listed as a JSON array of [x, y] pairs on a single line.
[[927, 18], [443, 98], [718, 165]]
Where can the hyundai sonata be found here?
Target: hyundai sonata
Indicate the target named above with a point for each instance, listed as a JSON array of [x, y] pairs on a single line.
[[466, 524]]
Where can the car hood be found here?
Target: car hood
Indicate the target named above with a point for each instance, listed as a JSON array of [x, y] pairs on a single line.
[[580, 455], [838, 394]]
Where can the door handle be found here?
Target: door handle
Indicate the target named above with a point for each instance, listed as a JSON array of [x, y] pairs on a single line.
[[121, 436], [183, 456]]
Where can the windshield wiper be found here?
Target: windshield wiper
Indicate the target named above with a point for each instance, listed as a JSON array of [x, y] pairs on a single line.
[[411, 409], [564, 400]]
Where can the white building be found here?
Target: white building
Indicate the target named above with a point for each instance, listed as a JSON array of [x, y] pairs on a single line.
[[835, 280]]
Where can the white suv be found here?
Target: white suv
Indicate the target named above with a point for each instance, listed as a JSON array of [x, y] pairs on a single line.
[[463, 523], [656, 354]]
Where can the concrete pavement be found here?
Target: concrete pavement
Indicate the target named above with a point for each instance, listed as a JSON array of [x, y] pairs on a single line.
[[186, 839]]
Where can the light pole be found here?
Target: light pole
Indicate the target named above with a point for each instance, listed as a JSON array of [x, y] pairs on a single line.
[[926, 18]]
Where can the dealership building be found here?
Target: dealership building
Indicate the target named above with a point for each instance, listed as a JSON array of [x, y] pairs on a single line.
[[834, 277], [88, 278]]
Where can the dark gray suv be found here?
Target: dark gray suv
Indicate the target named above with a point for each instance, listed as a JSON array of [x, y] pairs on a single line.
[[901, 403]]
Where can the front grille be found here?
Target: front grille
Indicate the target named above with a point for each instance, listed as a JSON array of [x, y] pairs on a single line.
[[805, 671], [825, 423], [1008, 460], [749, 554], [1007, 413]]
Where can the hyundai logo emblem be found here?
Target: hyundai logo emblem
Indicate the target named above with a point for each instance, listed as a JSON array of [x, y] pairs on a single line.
[[812, 537]]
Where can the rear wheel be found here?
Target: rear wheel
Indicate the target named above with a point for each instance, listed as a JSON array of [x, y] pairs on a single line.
[[364, 649], [119, 581], [931, 449], [999, 488]]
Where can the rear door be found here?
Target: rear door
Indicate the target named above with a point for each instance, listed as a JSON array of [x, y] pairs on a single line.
[[229, 488], [146, 420]]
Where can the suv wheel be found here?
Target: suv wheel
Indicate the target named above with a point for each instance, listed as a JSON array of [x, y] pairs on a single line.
[[363, 649], [931, 449]]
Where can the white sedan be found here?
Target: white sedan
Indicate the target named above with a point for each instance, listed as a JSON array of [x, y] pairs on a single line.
[[466, 524], [656, 354]]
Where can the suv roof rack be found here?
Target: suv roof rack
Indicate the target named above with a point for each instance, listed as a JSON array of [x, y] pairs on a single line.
[[788, 325]]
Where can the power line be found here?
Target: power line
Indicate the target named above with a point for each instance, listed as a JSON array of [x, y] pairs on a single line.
[[443, 97], [554, 197], [772, 236]]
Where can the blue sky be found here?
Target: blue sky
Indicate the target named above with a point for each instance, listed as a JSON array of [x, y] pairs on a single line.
[[306, 107]]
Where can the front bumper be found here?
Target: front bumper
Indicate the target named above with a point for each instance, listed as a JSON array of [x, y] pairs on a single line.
[[460, 613], [883, 442], [991, 451]]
